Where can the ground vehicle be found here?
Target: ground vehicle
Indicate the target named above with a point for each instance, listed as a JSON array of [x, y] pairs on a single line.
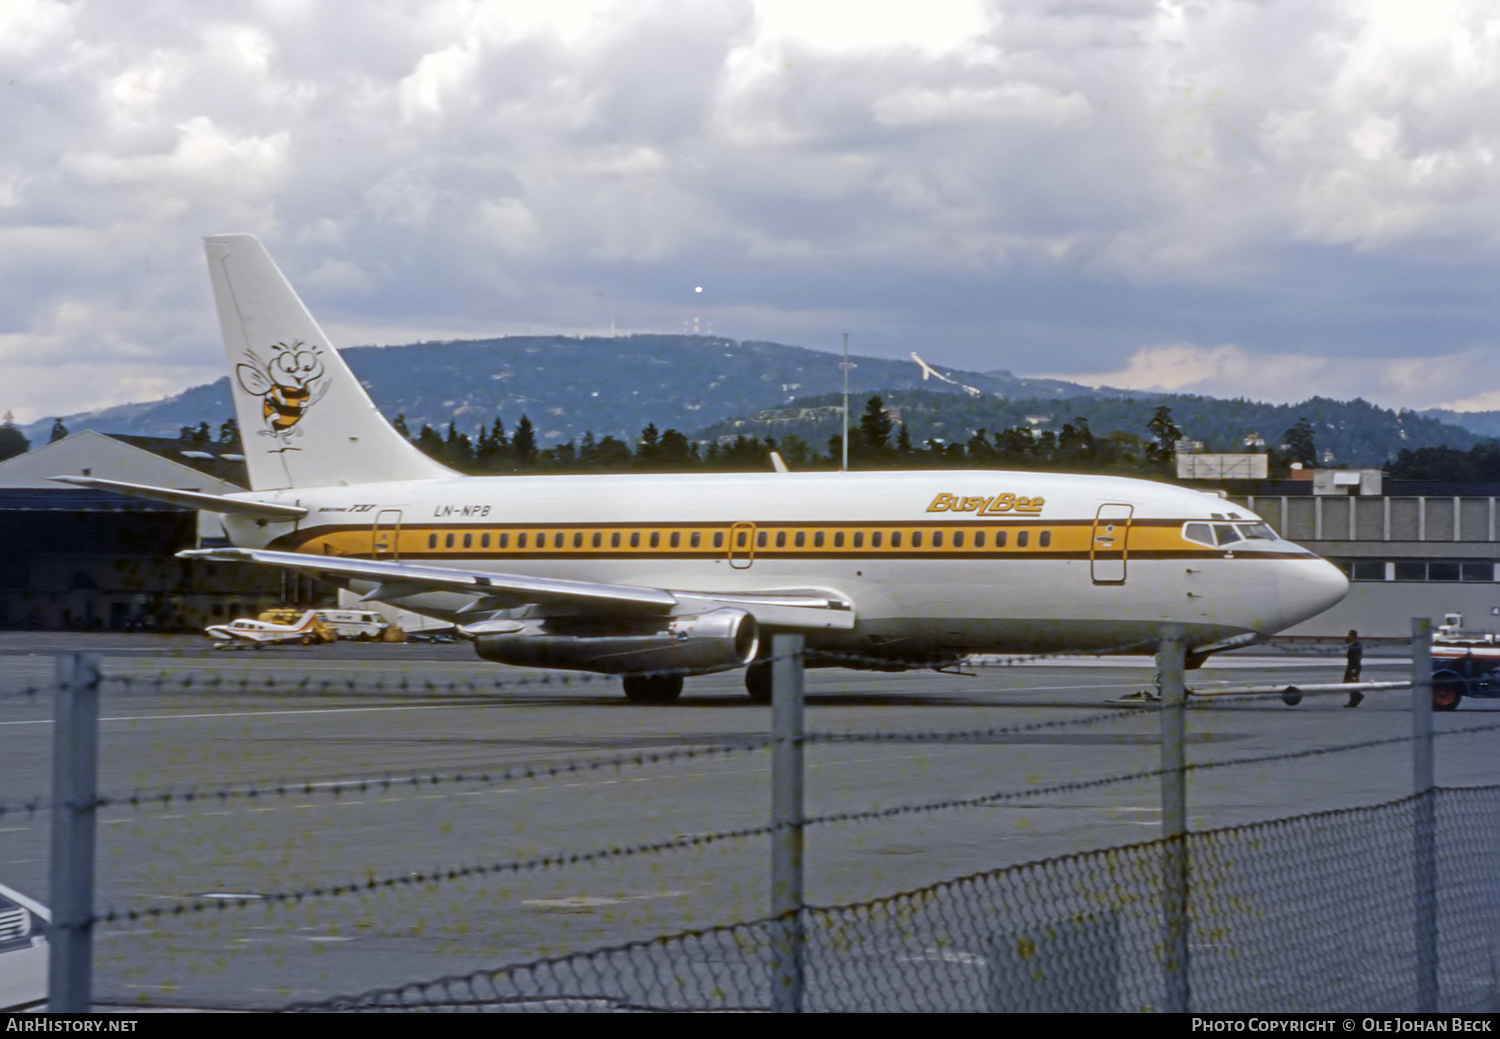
[[365, 625], [1461, 668], [23, 950]]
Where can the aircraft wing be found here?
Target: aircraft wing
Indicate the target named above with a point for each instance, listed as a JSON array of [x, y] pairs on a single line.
[[498, 591]]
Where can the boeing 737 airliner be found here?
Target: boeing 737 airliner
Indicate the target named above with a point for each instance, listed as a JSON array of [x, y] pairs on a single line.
[[657, 577]]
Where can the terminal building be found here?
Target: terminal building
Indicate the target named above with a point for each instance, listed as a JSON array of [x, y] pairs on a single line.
[[1425, 550], [80, 559]]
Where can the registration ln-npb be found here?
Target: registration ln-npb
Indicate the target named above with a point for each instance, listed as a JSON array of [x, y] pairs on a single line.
[[656, 577]]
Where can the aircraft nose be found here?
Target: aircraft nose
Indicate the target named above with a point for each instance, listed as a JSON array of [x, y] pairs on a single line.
[[1309, 588]]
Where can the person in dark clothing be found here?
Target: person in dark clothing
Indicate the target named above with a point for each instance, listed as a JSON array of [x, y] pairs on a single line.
[[1354, 657]]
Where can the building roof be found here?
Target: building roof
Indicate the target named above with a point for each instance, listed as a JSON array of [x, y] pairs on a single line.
[[113, 458], [36, 499]]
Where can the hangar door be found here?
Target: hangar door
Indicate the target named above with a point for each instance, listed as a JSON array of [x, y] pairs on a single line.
[[1109, 544]]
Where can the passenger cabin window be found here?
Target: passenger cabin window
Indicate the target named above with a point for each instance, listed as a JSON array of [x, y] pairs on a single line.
[[655, 539], [1022, 537], [1045, 539], [818, 540], [468, 541], [781, 539], [895, 539], [448, 541], [521, 540], [958, 539], [801, 540], [432, 541], [635, 539], [578, 539], [937, 539], [979, 539], [695, 539], [614, 540], [1000, 538], [875, 539], [838, 539], [916, 539], [718, 539], [484, 541]]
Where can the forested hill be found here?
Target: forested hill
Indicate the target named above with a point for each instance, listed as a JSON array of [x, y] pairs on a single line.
[[709, 387], [612, 386], [1353, 433]]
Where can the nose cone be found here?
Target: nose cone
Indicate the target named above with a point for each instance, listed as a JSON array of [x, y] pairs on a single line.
[[1308, 587]]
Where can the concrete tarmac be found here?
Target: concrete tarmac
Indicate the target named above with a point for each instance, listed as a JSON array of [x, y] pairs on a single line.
[[391, 766]]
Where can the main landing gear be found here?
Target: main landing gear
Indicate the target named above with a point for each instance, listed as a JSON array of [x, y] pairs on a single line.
[[655, 689], [758, 681]]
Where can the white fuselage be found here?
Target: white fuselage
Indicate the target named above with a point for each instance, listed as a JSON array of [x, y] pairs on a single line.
[[950, 561]]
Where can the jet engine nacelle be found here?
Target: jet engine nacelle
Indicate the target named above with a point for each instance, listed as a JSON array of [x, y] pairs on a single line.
[[700, 644]]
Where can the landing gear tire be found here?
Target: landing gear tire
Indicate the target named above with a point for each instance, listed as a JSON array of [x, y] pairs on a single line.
[[655, 689], [758, 681], [1447, 690]]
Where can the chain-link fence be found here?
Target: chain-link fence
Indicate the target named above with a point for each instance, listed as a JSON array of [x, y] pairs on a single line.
[[1315, 913]]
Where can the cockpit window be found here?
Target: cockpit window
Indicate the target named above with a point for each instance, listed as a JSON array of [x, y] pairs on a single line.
[[1225, 534], [1218, 535]]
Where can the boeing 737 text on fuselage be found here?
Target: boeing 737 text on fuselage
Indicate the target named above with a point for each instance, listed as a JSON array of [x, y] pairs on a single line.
[[657, 577]]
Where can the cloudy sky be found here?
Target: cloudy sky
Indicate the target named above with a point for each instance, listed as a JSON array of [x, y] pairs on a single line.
[[1271, 199]]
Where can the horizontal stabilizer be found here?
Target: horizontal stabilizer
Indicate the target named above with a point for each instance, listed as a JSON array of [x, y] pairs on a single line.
[[190, 499]]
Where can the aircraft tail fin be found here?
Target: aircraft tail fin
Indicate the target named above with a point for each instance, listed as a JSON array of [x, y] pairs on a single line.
[[304, 418]]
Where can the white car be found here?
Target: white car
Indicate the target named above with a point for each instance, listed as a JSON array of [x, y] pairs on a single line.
[[23, 950]]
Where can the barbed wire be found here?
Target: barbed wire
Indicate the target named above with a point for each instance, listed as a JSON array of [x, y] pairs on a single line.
[[754, 934], [161, 799], [564, 858], [30, 692]]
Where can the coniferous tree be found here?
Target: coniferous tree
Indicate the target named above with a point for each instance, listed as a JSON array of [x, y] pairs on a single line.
[[1299, 445], [523, 443], [430, 442], [12, 441], [1164, 448]]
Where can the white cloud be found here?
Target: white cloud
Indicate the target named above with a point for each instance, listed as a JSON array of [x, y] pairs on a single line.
[[943, 176], [1228, 370]]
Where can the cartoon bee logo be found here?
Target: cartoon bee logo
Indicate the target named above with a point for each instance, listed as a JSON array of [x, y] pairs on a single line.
[[288, 385]]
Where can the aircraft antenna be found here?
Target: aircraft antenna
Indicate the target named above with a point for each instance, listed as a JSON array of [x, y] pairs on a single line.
[[844, 467]]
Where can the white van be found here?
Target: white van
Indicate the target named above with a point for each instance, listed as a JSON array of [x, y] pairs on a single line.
[[354, 624], [23, 951]]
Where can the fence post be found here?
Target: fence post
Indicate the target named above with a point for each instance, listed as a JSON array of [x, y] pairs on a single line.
[[786, 824], [75, 763], [1170, 663], [1424, 816]]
